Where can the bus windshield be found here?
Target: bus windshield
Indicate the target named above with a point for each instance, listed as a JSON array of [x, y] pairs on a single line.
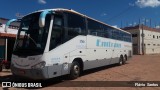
[[31, 39]]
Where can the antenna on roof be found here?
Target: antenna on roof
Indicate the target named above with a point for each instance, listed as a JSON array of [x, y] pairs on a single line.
[[19, 16], [71, 9]]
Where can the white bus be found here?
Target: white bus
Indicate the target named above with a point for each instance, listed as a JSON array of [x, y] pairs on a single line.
[[55, 42]]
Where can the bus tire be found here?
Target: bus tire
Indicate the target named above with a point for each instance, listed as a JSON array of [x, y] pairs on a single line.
[[75, 70], [125, 59], [121, 61]]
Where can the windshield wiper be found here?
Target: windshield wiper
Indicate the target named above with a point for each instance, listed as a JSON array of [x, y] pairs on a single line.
[[33, 40]]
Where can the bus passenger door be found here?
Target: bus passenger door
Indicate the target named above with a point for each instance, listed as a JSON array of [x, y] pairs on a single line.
[[56, 39], [57, 34]]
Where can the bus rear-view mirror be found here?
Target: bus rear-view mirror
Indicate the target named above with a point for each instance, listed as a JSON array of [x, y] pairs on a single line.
[[42, 17], [8, 23]]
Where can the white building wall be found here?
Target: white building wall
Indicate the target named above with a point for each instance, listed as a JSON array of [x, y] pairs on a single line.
[[152, 42], [151, 45], [9, 31]]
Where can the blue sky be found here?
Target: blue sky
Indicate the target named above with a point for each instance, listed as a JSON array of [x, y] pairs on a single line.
[[114, 12]]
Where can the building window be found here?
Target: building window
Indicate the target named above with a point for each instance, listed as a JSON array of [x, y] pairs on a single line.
[[0, 24], [149, 44], [153, 36], [134, 44], [134, 35], [157, 37]]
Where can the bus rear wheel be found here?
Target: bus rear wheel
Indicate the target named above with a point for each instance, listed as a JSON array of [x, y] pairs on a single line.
[[121, 61], [75, 70], [125, 59]]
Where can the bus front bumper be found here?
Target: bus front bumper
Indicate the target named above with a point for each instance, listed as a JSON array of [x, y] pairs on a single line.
[[30, 73]]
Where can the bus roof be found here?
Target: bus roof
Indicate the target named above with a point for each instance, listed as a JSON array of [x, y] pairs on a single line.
[[73, 11]]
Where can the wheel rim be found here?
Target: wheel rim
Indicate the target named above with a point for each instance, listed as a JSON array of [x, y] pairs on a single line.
[[76, 70], [125, 58], [120, 62]]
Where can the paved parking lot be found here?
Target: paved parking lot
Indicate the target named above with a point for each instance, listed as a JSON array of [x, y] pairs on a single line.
[[138, 68]]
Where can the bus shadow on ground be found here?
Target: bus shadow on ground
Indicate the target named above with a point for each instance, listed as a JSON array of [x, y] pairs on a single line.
[[90, 71], [53, 82]]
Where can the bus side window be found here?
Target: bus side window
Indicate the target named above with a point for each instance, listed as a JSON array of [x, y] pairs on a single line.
[[95, 28], [57, 32], [76, 25]]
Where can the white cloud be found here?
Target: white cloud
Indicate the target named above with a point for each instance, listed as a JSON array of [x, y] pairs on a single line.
[[103, 14], [157, 26], [131, 4], [42, 1], [148, 3], [130, 24], [134, 23]]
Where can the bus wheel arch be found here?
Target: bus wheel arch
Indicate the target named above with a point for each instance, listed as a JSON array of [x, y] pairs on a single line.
[[76, 68]]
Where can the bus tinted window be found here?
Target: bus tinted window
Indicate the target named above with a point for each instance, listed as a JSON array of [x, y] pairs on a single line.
[[126, 37], [117, 34], [76, 25], [58, 21], [98, 29], [107, 31], [95, 28]]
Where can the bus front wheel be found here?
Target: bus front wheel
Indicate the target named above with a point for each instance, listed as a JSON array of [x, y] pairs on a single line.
[[75, 70]]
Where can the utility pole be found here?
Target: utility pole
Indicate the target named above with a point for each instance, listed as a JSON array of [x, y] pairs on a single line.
[[139, 21], [150, 23], [127, 24], [6, 46], [141, 35], [121, 24], [142, 39]]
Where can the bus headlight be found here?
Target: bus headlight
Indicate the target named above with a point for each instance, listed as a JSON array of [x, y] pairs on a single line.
[[39, 65]]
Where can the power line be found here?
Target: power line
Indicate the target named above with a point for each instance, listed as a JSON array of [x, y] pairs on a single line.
[[121, 13]]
